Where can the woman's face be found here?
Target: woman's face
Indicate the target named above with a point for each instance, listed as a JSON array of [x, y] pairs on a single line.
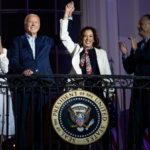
[[88, 39]]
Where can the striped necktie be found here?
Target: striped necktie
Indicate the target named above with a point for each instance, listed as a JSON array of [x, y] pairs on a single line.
[[86, 57]]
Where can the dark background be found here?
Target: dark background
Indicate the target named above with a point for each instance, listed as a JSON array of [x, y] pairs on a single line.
[[13, 13]]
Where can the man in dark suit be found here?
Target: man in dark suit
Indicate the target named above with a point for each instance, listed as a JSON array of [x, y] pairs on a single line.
[[138, 63], [29, 54]]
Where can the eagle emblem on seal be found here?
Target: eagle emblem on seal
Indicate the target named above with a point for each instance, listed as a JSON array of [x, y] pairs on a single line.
[[80, 114]]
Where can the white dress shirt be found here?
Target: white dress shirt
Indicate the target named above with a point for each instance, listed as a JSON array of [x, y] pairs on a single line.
[[31, 41]]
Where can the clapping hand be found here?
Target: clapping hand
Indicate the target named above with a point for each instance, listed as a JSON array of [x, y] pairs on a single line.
[[123, 48], [1, 48], [133, 43]]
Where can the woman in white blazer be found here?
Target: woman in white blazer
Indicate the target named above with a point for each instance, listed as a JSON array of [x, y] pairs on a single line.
[[87, 58], [88, 39], [3, 100]]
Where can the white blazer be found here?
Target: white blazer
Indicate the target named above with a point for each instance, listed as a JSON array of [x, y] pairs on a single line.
[[75, 50]]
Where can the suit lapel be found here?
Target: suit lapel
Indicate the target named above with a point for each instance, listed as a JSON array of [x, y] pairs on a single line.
[[139, 44], [146, 45], [76, 61], [25, 41], [37, 46], [99, 60]]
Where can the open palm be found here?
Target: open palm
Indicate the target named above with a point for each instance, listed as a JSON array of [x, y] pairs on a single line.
[[123, 48]]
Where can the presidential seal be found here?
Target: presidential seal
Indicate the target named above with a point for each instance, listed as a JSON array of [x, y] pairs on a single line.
[[79, 117]]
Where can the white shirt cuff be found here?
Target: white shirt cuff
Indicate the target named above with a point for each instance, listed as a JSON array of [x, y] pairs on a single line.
[[70, 18]]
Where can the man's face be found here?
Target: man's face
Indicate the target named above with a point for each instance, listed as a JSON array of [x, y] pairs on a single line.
[[32, 25], [144, 27], [88, 39]]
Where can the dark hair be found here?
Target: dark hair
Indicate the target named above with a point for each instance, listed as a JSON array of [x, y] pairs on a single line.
[[148, 17], [96, 39]]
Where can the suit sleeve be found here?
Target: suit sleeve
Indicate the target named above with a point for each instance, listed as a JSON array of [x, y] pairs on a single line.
[[14, 58], [143, 54], [64, 36], [57, 39], [129, 63]]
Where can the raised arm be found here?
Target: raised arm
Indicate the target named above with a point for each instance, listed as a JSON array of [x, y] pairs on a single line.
[[56, 38], [64, 34], [128, 61]]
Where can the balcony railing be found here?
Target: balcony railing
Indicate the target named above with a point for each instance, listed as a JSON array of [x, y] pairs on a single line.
[[121, 86]]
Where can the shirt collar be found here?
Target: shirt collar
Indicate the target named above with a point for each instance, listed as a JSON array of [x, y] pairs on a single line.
[[29, 37], [147, 39], [88, 48]]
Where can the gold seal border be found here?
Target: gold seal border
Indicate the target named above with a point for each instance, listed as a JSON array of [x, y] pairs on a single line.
[[73, 140]]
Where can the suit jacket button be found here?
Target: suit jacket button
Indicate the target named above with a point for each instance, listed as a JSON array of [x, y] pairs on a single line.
[[36, 70]]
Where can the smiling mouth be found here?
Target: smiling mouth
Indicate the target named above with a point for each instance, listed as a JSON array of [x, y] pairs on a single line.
[[87, 42], [33, 28]]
